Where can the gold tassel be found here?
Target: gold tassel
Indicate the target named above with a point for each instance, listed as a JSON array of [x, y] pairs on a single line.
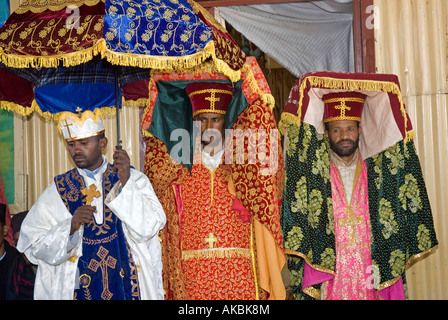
[[344, 84]]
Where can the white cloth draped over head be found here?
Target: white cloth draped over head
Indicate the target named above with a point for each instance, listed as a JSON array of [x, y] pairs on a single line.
[[384, 120]]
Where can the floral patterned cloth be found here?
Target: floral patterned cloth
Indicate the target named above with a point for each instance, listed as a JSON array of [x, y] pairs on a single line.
[[215, 241], [352, 234], [400, 215]]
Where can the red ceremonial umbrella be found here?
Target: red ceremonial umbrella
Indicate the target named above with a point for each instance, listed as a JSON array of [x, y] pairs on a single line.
[[53, 44]]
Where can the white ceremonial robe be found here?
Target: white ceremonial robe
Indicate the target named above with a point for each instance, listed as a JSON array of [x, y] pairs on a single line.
[[44, 236]]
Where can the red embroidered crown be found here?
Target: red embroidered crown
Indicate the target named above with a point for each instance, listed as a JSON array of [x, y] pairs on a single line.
[[209, 97], [343, 106]]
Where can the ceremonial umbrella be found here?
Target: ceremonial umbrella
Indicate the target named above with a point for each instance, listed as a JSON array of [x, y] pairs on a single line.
[[53, 44]]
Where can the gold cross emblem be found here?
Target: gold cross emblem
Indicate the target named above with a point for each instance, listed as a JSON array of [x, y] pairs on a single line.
[[79, 111], [212, 99], [67, 125], [351, 221], [90, 193], [211, 239], [342, 107]]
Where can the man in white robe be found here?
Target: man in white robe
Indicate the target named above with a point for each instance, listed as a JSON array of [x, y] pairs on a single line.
[[54, 234]]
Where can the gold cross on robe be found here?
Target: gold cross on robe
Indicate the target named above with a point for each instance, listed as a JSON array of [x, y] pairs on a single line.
[[211, 239], [103, 264], [90, 193]]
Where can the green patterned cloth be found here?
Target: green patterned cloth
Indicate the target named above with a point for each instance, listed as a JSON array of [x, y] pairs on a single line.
[[400, 214]]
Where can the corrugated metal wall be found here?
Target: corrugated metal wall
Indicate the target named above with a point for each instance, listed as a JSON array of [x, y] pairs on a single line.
[[45, 154], [412, 41]]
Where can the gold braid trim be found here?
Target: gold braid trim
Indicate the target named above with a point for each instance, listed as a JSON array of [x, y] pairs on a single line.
[[266, 97], [37, 6], [349, 85], [23, 111], [311, 291], [17, 108], [216, 253], [223, 67], [26, 111], [68, 59], [410, 261], [135, 103], [122, 59], [210, 91]]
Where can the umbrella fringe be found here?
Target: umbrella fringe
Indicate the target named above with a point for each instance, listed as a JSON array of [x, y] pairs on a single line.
[[122, 59], [26, 111], [349, 85], [252, 85], [17, 108], [68, 59]]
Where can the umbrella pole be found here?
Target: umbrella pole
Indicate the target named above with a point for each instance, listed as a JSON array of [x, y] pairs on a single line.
[[117, 109]]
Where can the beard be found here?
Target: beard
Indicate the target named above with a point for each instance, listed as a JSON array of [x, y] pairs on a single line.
[[344, 151]]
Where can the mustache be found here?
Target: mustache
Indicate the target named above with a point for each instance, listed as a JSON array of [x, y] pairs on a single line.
[[346, 140]]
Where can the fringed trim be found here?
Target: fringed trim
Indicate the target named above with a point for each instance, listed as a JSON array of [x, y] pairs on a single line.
[[286, 120], [37, 6], [122, 59], [216, 253], [410, 135], [67, 59], [223, 67], [349, 85], [268, 99], [161, 62], [17, 108], [147, 134], [251, 80], [26, 111], [354, 84], [135, 103]]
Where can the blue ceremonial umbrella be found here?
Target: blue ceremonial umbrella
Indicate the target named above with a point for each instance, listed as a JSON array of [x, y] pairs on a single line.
[[80, 53]]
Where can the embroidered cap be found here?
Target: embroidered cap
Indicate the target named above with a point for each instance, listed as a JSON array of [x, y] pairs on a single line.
[[343, 106], [81, 125], [209, 97]]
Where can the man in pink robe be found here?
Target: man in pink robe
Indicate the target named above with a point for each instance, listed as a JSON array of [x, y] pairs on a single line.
[[355, 211], [348, 172]]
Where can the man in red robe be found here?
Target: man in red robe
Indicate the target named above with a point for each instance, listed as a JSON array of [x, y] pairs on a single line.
[[222, 239]]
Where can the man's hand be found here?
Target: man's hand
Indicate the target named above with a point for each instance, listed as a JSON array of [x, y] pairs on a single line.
[[122, 164], [82, 215]]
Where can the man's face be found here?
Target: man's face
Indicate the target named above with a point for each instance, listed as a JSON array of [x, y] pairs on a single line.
[[212, 129], [87, 153], [343, 136]]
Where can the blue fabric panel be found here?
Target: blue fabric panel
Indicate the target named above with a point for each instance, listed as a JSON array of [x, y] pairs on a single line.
[[68, 97]]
